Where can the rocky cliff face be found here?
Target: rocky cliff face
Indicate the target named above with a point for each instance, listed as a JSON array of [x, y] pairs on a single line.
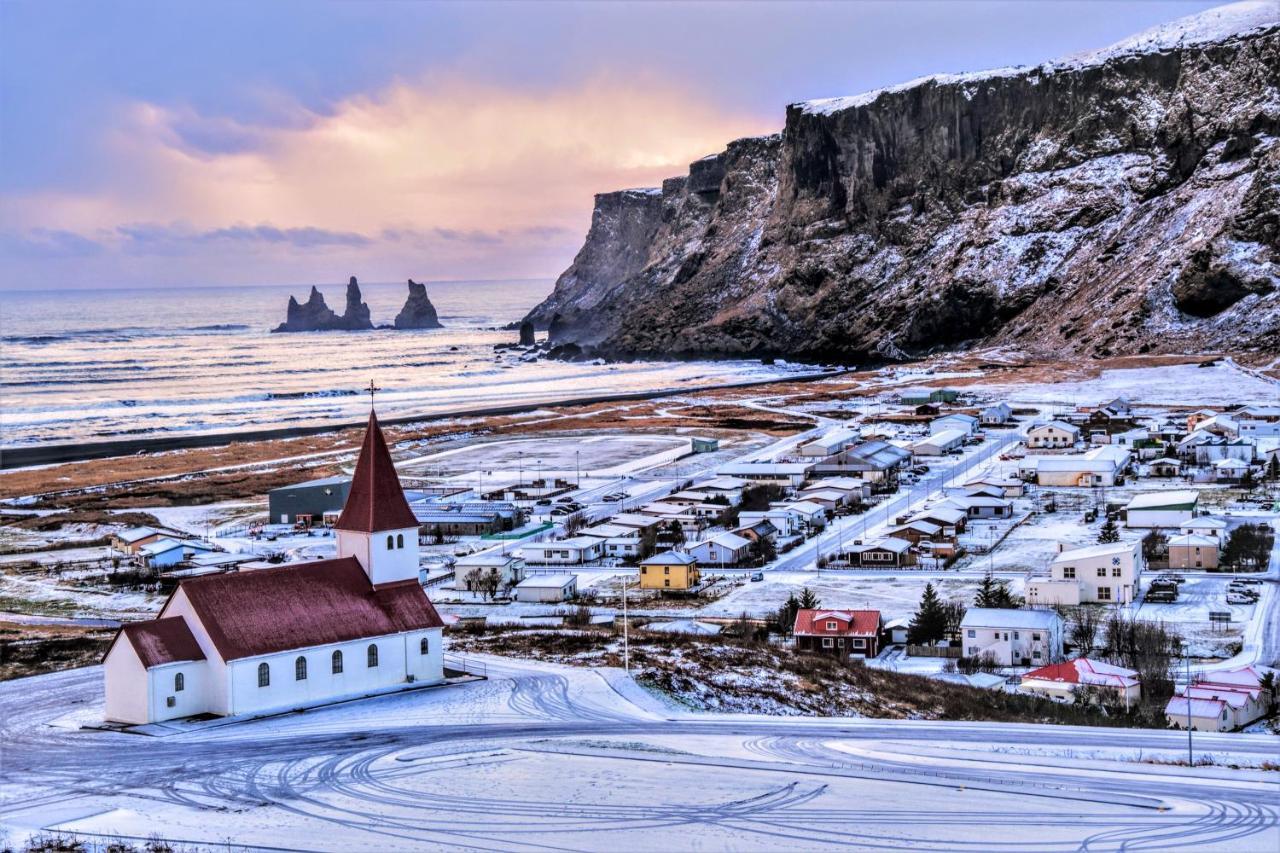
[[418, 312], [316, 316], [1121, 202]]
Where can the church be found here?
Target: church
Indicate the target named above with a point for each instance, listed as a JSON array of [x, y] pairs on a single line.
[[293, 635]]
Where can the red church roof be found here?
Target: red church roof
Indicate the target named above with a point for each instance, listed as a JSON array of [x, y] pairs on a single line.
[[160, 641], [296, 606], [865, 623], [376, 501]]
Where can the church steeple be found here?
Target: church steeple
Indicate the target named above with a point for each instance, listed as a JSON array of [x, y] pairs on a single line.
[[376, 525]]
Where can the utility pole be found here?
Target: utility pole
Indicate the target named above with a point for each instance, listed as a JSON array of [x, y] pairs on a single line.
[[1186, 659]]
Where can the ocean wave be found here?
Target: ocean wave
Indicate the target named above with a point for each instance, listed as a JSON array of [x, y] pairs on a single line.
[[310, 395]]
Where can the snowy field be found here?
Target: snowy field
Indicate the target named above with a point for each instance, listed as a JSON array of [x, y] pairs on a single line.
[[603, 454], [542, 757], [1171, 385]]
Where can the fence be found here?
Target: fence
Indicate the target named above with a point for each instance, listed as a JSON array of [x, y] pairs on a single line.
[[933, 652], [466, 666]]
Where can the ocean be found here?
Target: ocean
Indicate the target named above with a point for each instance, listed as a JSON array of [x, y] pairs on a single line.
[[97, 365]]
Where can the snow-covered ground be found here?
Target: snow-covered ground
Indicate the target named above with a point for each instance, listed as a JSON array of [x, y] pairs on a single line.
[[541, 756]]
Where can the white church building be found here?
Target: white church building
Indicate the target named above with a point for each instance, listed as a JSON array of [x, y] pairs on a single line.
[[295, 635]]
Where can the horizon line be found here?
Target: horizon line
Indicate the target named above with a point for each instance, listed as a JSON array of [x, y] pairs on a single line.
[[335, 283]]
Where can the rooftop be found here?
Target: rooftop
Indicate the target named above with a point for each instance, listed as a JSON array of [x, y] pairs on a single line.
[[376, 501], [998, 617], [1164, 500]]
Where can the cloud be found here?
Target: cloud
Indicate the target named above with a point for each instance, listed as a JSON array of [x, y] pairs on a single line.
[[444, 168], [47, 243]]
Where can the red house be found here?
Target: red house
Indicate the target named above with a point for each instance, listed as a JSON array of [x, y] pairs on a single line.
[[839, 632]]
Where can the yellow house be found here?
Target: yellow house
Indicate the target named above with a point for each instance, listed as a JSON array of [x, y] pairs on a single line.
[[671, 570]]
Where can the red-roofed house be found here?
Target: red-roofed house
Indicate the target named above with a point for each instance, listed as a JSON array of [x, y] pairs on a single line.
[[294, 635], [839, 632], [1062, 680]]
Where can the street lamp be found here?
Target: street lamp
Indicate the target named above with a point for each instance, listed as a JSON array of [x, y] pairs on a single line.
[[1186, 692]]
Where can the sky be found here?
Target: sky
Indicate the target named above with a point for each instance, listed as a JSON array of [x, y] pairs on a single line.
[[162, 144]]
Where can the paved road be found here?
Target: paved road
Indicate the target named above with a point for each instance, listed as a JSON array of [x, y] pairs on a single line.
[[367, 771]]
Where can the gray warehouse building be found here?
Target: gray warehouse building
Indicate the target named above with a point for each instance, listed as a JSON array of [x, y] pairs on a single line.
[[309, 501]]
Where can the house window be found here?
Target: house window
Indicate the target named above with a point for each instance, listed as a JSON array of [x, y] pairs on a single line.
[[1015, 635], [399, 540], [644, 570], [1115, 571], [179, 682], [831, 626], [1035, 637], [264, 675], [666, 570], [391, 542], [972, 633], [1102, 571], [300, 669], [666, 581], [1069, 572], [373, 656], [973, 650], [826, 642], [1036, 654], [337, 662], [424, 646], [859, 643], [170, 701], [1104, 593]]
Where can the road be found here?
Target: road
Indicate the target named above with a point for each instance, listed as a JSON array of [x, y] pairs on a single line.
[[848, 528], [542, 757]]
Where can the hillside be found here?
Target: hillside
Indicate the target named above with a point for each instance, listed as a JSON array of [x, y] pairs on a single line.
[[1118, 202]]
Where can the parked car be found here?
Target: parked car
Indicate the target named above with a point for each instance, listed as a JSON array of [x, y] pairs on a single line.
[[545, 502], [1234, 597], [1164, 595], [757, 576]]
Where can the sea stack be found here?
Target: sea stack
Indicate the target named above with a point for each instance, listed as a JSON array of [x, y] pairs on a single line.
[[527, 338], [316, 316], [312, 315], [418, 312]]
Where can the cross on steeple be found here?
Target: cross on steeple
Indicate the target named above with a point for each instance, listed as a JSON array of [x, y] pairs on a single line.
[[373, 389]]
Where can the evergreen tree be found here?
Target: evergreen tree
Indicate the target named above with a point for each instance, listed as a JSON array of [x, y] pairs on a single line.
[[1273, 468], [1109, 532], [929, 625], [994, 593], [809, 600]]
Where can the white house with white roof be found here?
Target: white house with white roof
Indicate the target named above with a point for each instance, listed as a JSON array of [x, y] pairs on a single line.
[[1054, 434], [1108, 573], [565, 552], [724, 549], [1205, 526], [939, 443], [967, 424], [1150, 510], [1012, 637]]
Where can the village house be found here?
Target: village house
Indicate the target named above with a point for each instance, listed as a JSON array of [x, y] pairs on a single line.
[[1149, 510], [1165, 466], [878, 462], [308, 502], [1205, 526], [165, 553], [1107, 573], [967, 424], [1010, 487], [724, 549], [547, 589], [510, 569], [829, 499], [784, 521], [756, 531], [1064, 680], [939, 443], [842, 633], [978, 506], [782, 473], [1000, 413], [1230, 470], [728, 488], [883, 553], [813, 516], [1012, 637], [293, 635], [1221, 701], [1101, 466], [951, 519], [1054, 434], [830, 443], [670, 570], [1193, 551], [565, 552], [134, 539]]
